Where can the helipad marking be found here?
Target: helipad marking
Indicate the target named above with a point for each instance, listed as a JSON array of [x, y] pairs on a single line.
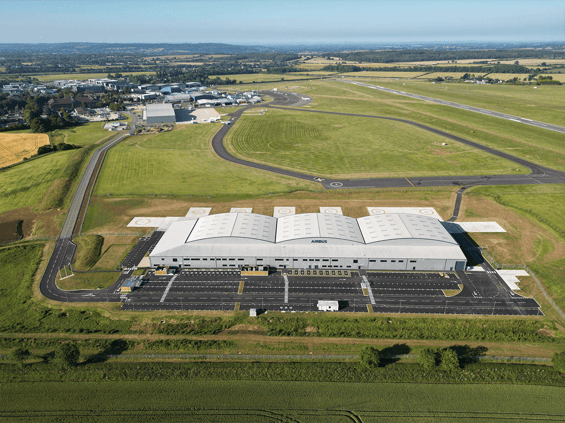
[[198, 211], [426, 211], [336, 184], [284, 211], [331, 210]]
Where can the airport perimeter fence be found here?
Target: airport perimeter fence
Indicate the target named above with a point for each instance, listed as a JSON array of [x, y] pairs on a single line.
[[532, 274], [309, 357]]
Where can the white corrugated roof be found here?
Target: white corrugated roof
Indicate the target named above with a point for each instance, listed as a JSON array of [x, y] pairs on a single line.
[[317, 225], [244, 225], [158, 110], [383, 227], [389, 235], [176, 235]]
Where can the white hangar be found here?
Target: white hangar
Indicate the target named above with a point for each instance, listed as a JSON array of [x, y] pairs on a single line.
[[309, 241]]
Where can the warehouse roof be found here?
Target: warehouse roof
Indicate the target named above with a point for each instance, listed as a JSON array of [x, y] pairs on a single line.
[[316, 225], [253, 234], [159, 110]]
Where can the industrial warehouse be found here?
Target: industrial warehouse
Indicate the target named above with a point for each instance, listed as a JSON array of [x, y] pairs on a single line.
[[309, 241]]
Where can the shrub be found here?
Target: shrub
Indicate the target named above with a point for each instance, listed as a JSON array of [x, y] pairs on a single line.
[[428, 358], [67, 355], [558, 361], [19, 355], [449, 361], [370, 357]]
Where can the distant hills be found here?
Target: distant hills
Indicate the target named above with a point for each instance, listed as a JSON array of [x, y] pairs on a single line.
[[132, 48], [220, 48]]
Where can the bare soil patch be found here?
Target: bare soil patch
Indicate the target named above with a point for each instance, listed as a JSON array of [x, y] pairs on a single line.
[[33, 223]]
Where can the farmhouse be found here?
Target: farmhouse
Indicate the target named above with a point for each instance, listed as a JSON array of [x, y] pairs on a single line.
[[309, 241], [159, 113]]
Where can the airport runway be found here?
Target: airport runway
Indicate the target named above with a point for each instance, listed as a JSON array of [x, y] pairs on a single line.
[[518, 119], [482, 294], [288, 101]]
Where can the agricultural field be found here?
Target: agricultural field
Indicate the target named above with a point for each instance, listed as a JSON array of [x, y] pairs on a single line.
[[352, 147], [261, 401], [15, 147], [507, 76], [182, 163]]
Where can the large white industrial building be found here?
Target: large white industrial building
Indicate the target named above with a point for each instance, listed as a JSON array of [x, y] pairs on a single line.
[[159, 113], [309, 241]]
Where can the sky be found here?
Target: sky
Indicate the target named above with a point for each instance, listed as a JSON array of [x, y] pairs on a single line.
[[262, 22]]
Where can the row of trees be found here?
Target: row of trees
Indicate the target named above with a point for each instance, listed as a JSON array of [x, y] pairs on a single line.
[[445, 359]]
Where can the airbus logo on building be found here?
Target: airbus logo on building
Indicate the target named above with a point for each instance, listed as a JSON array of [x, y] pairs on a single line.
[[319, 241]]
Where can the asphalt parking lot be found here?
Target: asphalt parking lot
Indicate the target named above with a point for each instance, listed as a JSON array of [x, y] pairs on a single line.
[[386, 292]]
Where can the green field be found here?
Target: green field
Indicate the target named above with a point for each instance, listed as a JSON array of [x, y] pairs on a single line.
[[353, 147], [25, 185], [261, 77], [299, 402], [89, 133], [182, 163], [545, 103], [528, 142]]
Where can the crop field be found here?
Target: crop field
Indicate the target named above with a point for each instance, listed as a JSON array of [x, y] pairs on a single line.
[[182, 163], [507, 76], [257, 401], [89, 133], [26, 184], [15, 147], [347, 147]]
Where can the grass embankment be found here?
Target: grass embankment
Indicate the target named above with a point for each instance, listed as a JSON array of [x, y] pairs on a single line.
[[86, 134], [88, 251], [354, 147], [182, 162], [244, 401], [544, 205]]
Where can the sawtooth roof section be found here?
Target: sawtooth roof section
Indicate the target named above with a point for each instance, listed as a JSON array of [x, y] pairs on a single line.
[[316, 225], [244, 225], [425, 227], [386, 227]]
